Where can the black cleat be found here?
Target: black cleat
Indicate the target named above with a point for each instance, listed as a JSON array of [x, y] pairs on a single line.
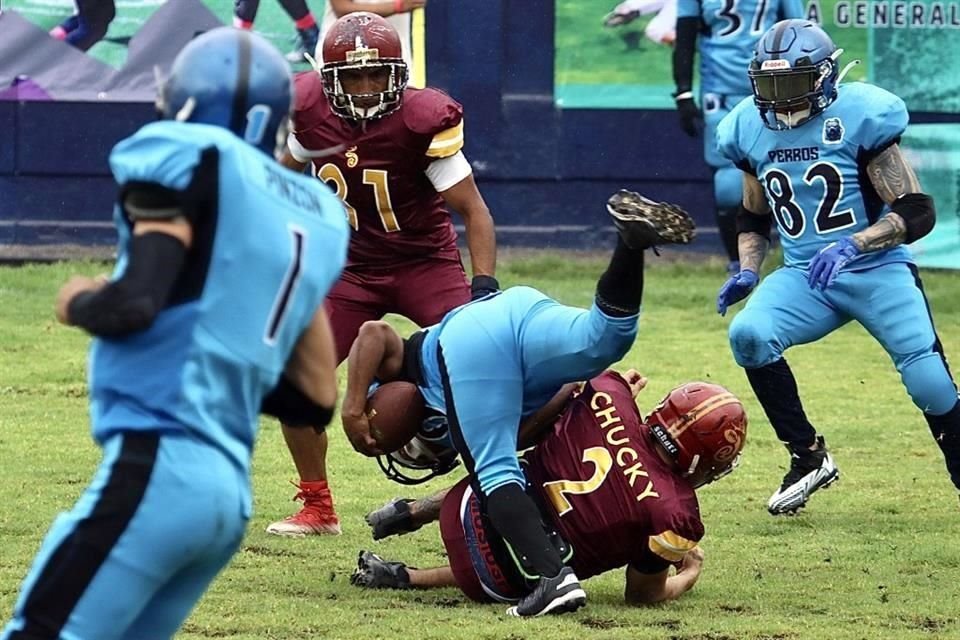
[[373, 572], [392, 519], [809, 472], [643, 223], [552, 595]]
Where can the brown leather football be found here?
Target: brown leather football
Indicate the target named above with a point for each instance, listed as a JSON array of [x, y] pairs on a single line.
[[395, 411]]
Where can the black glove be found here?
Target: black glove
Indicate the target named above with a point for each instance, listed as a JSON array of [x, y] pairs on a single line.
[[691, 120], [482, 286]]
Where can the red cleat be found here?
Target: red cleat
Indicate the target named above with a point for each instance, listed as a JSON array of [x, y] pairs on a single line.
[[316, 518]]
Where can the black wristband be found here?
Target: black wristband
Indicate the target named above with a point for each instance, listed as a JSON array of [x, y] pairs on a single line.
[[484, 283]]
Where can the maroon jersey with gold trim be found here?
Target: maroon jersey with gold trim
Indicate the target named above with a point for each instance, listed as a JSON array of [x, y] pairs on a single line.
[[394, 209], [612, 497]]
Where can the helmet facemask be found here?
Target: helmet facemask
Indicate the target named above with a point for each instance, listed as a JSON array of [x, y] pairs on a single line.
[[788, 96], [364, 106]]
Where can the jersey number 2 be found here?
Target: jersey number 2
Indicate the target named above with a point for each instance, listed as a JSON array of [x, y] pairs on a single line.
[[376, 178], [790, 217], [558, 490]]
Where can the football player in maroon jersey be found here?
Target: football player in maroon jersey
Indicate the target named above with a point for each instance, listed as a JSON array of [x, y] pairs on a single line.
[[614, 490], [394, 156]]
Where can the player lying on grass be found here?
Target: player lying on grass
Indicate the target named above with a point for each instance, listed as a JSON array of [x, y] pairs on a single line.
[[490, 363], [613, 490]]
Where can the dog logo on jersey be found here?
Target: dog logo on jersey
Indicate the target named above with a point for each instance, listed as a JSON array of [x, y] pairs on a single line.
[[832, 131], [352, 157]]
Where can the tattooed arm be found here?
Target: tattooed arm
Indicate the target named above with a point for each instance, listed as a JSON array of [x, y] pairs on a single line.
[[752, 246], [897, 185], [427, 509]]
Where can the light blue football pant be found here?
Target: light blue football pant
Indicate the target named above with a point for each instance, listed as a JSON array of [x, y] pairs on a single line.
[[161, 517], [505, 357], [727, 179], [887, 301]]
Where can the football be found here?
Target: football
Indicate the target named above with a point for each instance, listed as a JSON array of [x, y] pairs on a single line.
[[395, 411]]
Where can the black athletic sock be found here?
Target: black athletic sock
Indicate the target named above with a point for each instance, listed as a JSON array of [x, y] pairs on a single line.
[[516, 518], [620, 288], [296, 9], [246, 10], [946, 431], [776, 389], [727, 226]]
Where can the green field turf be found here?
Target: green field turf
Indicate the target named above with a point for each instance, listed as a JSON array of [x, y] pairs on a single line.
[[596, 67], [271, 21], [873, 558]]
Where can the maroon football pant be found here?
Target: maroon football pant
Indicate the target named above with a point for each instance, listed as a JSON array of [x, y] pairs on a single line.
[[470, 548], [422, 290]]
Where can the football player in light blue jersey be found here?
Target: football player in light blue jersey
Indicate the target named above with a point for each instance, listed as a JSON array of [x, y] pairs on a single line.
[[727, 32], [213, 316], [492, 362], [823, 160]]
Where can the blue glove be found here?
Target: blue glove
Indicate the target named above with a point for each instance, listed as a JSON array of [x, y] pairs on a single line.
[[829, 261], [735, 289]]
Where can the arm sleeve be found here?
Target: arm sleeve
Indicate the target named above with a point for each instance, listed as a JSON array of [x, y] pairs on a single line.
[[684, 50], [131, 302]]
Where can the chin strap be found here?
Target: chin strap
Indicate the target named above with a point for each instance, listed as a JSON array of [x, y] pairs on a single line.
[[846, 68]]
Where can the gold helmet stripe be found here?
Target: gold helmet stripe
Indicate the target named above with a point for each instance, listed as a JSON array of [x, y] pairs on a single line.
[[694, 415]]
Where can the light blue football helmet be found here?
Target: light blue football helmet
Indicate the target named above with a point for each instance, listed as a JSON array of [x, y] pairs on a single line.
[[233, 79], [794, 73]]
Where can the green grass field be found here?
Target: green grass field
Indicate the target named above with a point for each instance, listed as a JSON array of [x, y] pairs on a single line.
[[872, 558], [596, 67], [271, 21]]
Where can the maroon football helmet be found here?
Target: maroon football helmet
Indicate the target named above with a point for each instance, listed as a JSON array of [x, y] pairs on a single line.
[[703, 427], [363, 42]]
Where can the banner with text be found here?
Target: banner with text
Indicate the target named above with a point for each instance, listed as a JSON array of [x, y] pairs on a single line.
[[607, 61]]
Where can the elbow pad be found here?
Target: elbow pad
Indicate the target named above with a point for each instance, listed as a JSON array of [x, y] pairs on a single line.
[[918, 211], [293, 408], [749, 222], [132, 302]]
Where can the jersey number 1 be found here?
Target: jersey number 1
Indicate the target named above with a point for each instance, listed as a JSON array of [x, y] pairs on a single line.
[[282, 302]]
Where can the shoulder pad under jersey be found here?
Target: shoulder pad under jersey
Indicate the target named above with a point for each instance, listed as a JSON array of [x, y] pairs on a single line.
[[309, 101], [430, 111]]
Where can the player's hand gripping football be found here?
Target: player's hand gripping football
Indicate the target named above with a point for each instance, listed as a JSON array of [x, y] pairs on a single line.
[[357, 428], [735, 289]]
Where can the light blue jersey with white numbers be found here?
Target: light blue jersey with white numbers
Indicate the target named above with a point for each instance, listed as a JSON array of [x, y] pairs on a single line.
[[731, 29], [815, 175]]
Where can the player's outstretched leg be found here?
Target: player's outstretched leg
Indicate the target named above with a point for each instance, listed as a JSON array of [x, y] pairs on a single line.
[[810, 470], [643, 223], [373, 572], [392, 519]]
